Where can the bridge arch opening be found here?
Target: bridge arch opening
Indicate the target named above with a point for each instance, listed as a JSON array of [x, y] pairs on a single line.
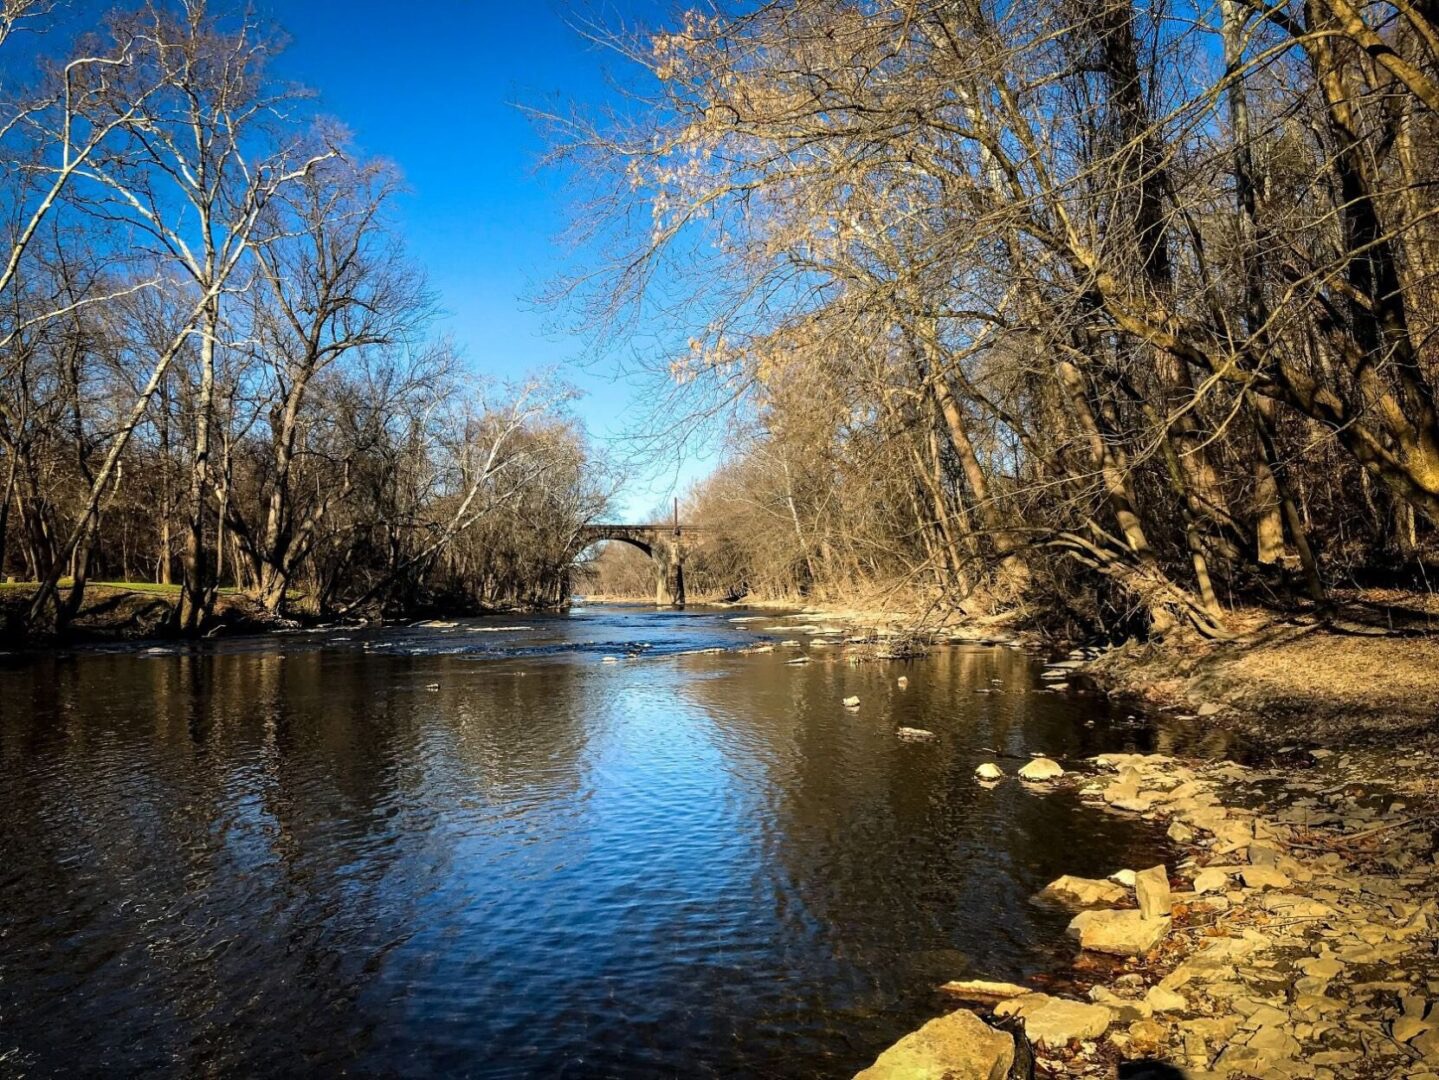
[[662, 545]]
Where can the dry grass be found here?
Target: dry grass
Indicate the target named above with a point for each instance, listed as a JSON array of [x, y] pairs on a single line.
[[1369, 673]]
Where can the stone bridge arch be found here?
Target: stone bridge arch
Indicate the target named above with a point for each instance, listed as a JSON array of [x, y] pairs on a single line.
[[666, 545]]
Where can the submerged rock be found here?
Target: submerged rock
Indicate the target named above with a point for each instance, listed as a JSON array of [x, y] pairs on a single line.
[[851, 703], [1040, 769], [959, 1046], [914, 734]]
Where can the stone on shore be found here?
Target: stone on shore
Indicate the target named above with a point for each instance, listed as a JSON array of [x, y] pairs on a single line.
[[1077, 892], [1210, 880], [989, 771], [959, 1046], [1151, 889], [1264, 877], [1162, 1000], [1056, 1022], [1040, 769], [1119, 933]]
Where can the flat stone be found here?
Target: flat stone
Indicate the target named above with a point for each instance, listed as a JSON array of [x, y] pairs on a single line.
[[1264, 877], [1212, 880], [1040, 769], [959, 1046], [1161, 1000], [983, 990], [1179, 832], [1077, 892], [1408, 1027], [1056, 1022], [1124, 1009], [1427, 1043], [1119, 933], [1140, 804], [1273, 1042], [1266, 1016], [1151, 889], [1237, 1058]]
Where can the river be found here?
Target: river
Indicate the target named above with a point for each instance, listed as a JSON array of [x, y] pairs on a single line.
[[541, 846]]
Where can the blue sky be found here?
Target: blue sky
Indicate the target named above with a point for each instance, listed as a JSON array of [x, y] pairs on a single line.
[[434, 85]]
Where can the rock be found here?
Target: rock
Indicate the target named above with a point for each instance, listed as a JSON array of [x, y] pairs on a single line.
[[1210, 709], [914, 734], [851, 703], [1077, 892], [1408, 1027], [1119, 933], [1162, 1000], [1125, 1010], [1151, 888], [1427, 1044], [1120, 791], [989, 771], [959, 1046], [1210, 880], [1233, 835], [983, 990], [1056, 1022], [1237, 1058], [1123, 877], [902, 682], [1180, 833], [1273, 1043], [1040, 769], [1263, 877]]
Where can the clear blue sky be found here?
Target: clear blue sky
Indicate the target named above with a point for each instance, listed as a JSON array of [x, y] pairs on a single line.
[[433, 85]]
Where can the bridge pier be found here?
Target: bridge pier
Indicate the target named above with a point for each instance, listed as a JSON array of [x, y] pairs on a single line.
[[669, 573]]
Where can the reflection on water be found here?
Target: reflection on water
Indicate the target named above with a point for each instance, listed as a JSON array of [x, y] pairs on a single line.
[[443, 851]]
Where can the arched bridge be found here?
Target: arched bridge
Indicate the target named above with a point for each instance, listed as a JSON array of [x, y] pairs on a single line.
[[666, 545]]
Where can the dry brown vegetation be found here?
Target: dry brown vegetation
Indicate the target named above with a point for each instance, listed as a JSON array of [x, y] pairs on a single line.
[[216, 364], [1120, 313]]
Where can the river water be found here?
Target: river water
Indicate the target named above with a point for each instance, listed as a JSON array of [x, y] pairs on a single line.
[[478, 851]]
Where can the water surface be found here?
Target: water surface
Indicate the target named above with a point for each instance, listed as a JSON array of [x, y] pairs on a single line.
[[467, 850]]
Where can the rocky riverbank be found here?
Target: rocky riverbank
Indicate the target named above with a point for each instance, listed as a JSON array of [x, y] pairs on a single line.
[[1294, 936]]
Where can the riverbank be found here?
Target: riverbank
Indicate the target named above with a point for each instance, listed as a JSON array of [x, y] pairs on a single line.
[[142, 611], [131, 611], [1298, 940], [1309, 684]]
